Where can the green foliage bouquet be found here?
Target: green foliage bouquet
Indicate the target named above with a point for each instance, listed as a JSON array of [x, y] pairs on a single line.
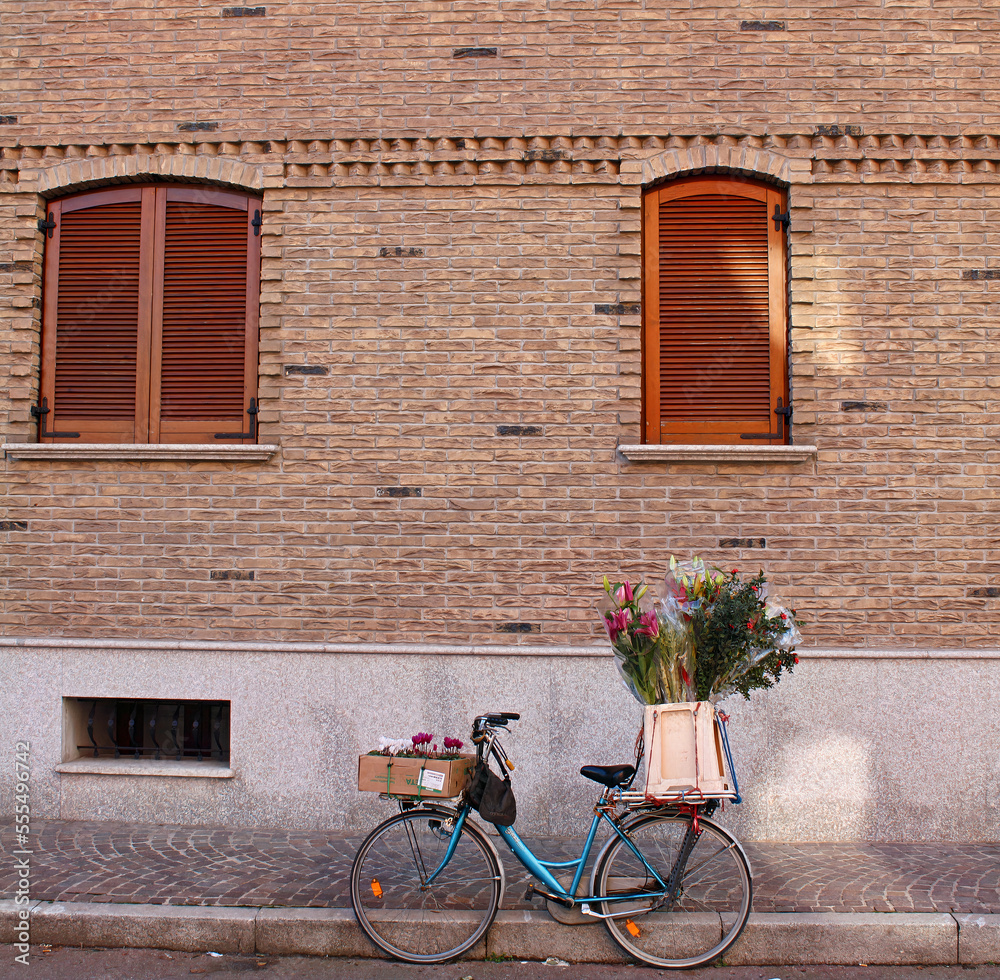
[[711, 635]]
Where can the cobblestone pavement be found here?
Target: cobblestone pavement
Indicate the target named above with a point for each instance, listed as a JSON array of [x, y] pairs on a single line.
[[100, 862]]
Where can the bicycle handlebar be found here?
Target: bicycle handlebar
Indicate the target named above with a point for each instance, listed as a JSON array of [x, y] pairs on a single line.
[[484, 734], [497, 718]]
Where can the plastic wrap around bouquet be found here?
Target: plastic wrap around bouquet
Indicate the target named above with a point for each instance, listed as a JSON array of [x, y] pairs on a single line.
[[712, 634]]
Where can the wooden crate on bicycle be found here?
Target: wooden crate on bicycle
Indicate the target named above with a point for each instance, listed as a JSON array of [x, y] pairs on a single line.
[[684, 753], [418, 777]]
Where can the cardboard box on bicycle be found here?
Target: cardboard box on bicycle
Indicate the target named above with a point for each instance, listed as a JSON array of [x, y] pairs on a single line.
[[425, 778], [684, 752]]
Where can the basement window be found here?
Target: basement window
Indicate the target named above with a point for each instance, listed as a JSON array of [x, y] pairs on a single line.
[[146, 737]]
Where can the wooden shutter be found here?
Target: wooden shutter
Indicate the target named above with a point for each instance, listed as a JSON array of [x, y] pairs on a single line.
[[714, 313], [96, 318], [150, 316], [205, 306]]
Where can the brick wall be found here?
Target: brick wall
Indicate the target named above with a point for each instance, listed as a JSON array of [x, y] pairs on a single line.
[[443, 239], [501, 67]]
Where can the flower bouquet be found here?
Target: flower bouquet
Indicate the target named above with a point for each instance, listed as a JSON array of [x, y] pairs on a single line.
[[415, 767], [713, 634]]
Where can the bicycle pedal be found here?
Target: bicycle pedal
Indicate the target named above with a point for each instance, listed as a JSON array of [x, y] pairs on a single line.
[[529, 894]]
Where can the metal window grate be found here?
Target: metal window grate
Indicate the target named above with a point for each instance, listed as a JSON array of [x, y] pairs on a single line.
[[129, 728]]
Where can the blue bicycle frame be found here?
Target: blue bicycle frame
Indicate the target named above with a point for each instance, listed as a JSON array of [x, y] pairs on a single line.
[[540, 869]]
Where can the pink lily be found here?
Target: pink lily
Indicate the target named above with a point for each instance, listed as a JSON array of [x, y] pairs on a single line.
[[650, 624], [609, 628], [616, 623], [624, 593]]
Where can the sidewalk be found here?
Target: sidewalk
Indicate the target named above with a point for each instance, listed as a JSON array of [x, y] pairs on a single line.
[[98, 869]]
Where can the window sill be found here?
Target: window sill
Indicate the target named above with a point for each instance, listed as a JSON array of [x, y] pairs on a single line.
[[185, 768], [717, 454], [138, 452]]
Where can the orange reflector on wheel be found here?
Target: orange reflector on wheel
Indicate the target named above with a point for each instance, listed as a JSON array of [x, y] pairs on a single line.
[[632, 928], [376, 888]]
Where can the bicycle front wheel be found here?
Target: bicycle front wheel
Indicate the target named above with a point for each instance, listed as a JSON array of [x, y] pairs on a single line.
[[712, 905], [410, 917]]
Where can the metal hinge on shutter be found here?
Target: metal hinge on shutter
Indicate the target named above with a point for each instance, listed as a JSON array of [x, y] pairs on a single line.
[[49, 226], [784, 413], [256, 222], [252, 434], [39, 412], [781, 219]]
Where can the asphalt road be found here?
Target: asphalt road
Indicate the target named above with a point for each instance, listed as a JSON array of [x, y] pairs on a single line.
[[145, 964]]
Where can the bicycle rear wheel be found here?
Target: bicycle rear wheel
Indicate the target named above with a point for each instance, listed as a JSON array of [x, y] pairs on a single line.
[[712, 905], [404, 915]]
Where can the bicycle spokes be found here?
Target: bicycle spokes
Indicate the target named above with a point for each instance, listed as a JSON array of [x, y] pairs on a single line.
[[421, 895], [690, 923]]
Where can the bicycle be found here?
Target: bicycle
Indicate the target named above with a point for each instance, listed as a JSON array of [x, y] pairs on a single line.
[[672, 887]]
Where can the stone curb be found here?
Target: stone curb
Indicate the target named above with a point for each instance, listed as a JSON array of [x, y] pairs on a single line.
[[182, 927], [9, 918], [872, 938], [893, 938], [978, 938]]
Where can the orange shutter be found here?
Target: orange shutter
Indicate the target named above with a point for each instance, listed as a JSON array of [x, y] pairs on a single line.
[[206, 373], [94, 317], [150, 316], [714, 310]]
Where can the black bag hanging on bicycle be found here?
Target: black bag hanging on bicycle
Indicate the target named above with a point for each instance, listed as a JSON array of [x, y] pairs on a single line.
[[492, 796]]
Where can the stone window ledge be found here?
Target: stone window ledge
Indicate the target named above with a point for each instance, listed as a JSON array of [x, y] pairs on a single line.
[[717, 454], [184, 768], [138, 452]]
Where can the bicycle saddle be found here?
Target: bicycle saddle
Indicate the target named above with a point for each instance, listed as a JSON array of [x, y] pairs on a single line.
[[608, 775]]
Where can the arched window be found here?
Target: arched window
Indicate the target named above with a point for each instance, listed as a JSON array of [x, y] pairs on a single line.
[[714, 313], [150, 316]]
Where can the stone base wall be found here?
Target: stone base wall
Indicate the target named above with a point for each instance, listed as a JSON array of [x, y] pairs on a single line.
[[855, 746]]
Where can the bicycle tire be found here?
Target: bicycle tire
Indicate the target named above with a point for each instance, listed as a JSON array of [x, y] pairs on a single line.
[[406, 918], [711, 909]]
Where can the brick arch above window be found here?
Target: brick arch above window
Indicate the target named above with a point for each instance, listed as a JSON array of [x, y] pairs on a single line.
[[75, 175], [711, 158]]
